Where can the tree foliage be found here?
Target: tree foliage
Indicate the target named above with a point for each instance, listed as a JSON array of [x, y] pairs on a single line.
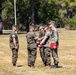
[[44, 10]]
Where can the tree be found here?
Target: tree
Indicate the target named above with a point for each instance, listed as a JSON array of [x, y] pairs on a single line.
[[23, 13], [46, 10], [1, 30], [66, 10], [38, 11], [32, 12]]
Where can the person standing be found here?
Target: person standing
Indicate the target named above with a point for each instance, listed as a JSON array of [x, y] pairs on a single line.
[[54, 42], [41, 36], [14, 45], [31, 46], [45, 43]]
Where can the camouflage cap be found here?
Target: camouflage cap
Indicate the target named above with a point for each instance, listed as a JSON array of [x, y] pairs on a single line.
[[52, 22]]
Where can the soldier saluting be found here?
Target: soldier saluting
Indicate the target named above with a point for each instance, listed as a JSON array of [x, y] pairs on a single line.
[[14, 45]]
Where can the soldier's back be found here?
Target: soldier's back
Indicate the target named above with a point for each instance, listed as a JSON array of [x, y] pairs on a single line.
[[31, 40]]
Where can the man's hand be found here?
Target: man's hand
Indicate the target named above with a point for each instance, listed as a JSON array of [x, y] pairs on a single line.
[[39, 45], [15, 47]]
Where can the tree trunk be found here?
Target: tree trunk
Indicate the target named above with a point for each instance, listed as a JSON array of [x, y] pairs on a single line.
[[27, 26], [32, 12], [1, 29]]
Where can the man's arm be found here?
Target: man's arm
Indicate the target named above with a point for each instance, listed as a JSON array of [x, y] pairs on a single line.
[[47, 34], [43, 41], [14, 40], [55, 36]]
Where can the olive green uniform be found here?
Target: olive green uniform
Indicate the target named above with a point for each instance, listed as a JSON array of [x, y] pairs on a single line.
[[47, 48], [42, 53], [14, 50], [32, 48], [55, 38]]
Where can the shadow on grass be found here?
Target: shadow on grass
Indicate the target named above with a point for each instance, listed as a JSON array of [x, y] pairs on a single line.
[[19, 65], [58, 66]]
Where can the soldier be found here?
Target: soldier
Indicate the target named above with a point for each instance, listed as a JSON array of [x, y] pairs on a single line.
[[45, 44], [14, 45], [41, 36], [54, 41], [31, 46]]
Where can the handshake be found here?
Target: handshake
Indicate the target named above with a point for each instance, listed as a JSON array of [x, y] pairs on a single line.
[[38, 42]]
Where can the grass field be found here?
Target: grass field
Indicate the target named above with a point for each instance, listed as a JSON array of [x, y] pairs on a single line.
[[67, 57]]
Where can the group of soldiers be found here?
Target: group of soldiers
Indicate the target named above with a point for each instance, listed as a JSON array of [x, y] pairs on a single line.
[[46, 41]]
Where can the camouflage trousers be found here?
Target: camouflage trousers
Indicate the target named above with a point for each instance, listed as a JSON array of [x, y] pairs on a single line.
[[47, 59], [55, 55], [42, 54], [14, 56], [32, 56]]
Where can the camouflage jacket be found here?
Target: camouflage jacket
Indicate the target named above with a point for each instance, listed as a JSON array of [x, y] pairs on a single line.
[[31, 40], [55, 36], [13, 35], [48, 40]]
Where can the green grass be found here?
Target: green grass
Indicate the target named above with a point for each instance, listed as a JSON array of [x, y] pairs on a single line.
[[67, 56]]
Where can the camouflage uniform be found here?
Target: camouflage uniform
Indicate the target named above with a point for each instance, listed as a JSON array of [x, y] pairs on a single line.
[[14, 50], [55, 39], [42, 53], [47, 48], [32, 48]]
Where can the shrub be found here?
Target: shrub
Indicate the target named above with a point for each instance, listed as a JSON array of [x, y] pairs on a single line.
[[71, 23]]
